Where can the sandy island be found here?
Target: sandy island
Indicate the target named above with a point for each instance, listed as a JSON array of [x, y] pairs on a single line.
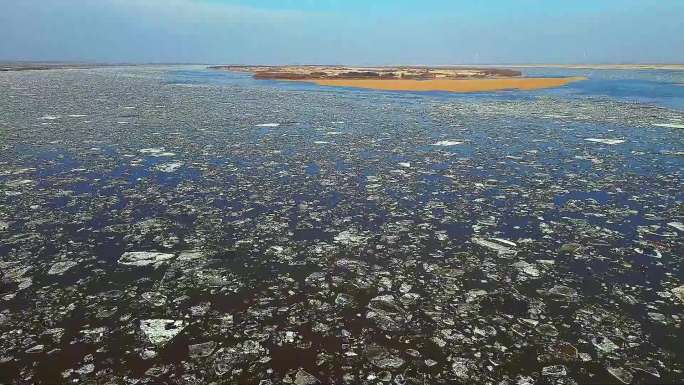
[[451, 85], [405, 78]]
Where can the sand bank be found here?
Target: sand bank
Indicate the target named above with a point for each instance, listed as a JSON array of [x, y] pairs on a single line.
[[451, 85]]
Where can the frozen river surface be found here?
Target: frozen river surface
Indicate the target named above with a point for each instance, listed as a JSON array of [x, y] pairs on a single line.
[[178, 225]]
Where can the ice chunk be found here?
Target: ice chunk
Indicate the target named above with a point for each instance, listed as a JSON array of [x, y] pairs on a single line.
[[382, 358], [447, 143], [350, 238], [605, 141], [462, 368], [61, 267], [554, 371], [604, 344], [161, 331], [169, 167], [202, 350], [563, 292], [501, 246], [677, 225], [156, 152], [669, 125], [679, 292], [621, 374], [657, 317], [35, 349], [143, 258], [526, 268], [304, 378], [547, 330]]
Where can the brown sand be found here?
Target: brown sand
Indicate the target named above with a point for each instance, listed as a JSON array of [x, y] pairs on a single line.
[[452, 85]]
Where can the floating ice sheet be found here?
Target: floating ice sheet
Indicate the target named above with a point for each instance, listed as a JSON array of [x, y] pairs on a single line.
[[606, 141], [161, 331], [144, 258]]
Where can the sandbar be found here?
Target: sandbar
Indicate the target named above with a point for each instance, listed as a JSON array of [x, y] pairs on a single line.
[[450, 85], [405, 78]]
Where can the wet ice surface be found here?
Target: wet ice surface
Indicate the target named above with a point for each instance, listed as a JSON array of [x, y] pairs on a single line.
[[159, 228]]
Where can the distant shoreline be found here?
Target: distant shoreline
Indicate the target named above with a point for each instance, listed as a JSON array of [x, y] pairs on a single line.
[[44, 66], [13, 67], [602, 66], [10, 66]]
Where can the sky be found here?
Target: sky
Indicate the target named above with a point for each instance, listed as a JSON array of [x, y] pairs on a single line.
[[352, 32]]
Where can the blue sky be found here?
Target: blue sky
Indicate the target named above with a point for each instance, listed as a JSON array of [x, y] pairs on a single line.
[[344, 31]]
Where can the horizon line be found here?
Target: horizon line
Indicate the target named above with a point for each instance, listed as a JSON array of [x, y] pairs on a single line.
[[520, 64]]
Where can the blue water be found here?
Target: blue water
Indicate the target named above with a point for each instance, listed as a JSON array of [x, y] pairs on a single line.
[[659, 87]]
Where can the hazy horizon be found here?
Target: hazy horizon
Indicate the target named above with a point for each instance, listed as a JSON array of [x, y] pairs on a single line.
[[343, 32], [161, 63]]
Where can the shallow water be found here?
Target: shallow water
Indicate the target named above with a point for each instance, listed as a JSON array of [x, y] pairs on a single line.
[[321, 229]]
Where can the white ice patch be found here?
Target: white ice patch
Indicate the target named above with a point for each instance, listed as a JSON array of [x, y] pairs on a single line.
[[156, 151], [169, 167], [447, 143], [268, 125], [501, 246], [143, 258], [350, 238], [527, 268], [679, 292], [605, 141], [677, 225], [19, 183], [61, 267], [161, 331], [669, 125]]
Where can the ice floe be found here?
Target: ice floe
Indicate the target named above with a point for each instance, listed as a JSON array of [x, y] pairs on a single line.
[[144, 258], [61, 267], [156, 152], [447, 143], [605, 141], [169, 167], [161, 331], [501, 246], [670, 125]]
